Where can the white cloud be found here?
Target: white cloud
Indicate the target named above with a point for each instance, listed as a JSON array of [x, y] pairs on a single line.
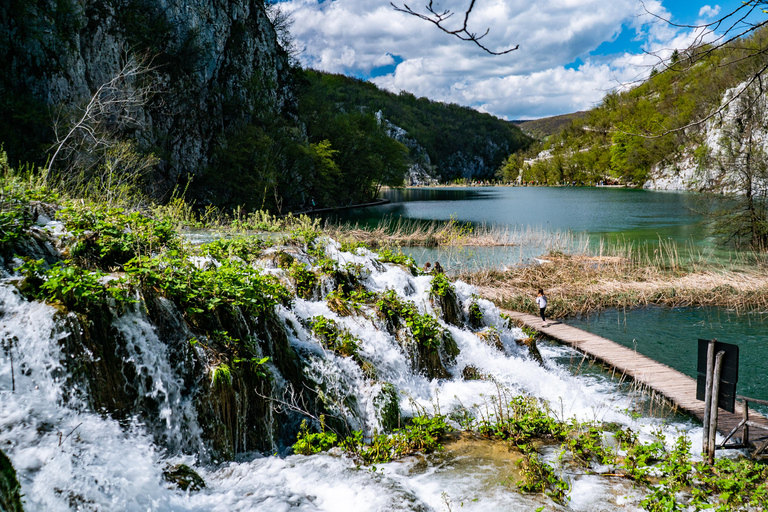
[[358, 36], [708, 12]]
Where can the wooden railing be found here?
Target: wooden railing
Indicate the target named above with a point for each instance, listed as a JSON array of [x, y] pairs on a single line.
[[745, 424]]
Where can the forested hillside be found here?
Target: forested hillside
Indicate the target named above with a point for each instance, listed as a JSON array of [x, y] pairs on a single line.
[[653, 126], [461, 142]]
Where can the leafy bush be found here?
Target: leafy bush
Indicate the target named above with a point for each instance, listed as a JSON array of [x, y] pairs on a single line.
[[309, 443], [334, 337], [246, 248], [76, 288], [399, 258], [305, 279], [198, 291], [440, 286], [110, 237]]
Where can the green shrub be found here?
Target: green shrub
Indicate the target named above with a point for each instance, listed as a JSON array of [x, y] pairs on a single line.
[[441, 286], [309, 443], [234, 283], [110, 237], [305, 279], [246, 248], [77, 289], [334, 337]]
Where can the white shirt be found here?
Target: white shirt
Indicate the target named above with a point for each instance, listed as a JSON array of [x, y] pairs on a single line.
[[541, 300]]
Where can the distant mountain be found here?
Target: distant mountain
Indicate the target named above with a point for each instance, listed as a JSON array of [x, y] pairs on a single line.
[[546, 126], [458, 142]]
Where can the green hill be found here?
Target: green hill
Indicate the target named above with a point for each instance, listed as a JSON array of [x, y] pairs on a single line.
[[655, 123], [546, 126], [460, 141]]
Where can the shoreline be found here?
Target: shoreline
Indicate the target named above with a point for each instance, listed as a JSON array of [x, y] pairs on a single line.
[[378, 202]]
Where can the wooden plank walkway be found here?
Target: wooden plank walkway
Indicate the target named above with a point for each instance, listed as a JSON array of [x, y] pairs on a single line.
[[677, 387]]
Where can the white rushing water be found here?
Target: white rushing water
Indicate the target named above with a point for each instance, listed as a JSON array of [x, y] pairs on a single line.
[[71, 458]]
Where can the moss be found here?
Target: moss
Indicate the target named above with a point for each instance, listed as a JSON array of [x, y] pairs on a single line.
[[387, 404], [10, 497], [184, 477]]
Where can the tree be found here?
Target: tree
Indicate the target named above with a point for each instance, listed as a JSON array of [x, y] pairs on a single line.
[[743, 162], [725, 33], [89, 139]]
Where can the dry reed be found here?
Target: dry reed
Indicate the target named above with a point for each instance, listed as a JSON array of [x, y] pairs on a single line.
[[624, 277]]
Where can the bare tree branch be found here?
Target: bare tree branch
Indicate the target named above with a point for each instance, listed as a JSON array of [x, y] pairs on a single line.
[[438, 18], [115, 107], [721, 34]]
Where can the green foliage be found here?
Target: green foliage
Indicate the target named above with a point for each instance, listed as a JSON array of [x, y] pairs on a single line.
[[387, 255], [10, 489], [305, 279], [449, 133], [475, 313], [440, 286], [309, 443], [538, 476], [334, 337], [110, 237], [76, 288], [523, 420], [425, 328], [221, 377], [246, 248], [352, 246], [202, 290], [611, 141], [17, 190], [586, 446]]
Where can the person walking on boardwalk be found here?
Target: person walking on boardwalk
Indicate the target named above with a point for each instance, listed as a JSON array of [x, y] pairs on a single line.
[[541, 300]]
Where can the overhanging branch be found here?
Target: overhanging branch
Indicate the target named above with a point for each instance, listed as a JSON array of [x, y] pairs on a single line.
[[438, 18]]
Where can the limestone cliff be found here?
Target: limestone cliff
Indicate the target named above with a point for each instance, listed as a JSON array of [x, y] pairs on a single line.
[[216, 65]]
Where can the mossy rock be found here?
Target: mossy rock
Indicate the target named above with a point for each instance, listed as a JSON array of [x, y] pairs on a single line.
[[387, 404], [471, 373], [449, 305], [10, 495], [533, 350], [184, 477]]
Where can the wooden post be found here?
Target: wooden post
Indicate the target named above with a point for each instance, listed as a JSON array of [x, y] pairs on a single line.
[[708, 396], [745, 435], [714, 409]]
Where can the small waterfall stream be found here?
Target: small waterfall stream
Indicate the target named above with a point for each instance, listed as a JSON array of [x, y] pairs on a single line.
[[71, 457]]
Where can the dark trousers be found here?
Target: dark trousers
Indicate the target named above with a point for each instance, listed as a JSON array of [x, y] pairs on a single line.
[[541, 312]]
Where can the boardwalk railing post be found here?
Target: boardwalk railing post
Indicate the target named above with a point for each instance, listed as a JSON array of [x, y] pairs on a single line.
[[745, 435], [708, 396], [713, 409]]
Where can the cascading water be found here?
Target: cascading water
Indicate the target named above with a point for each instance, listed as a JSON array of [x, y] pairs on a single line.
[[70, 457]]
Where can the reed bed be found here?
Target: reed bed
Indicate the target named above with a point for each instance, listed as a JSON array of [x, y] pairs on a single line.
[[623, 276], [414, 233]]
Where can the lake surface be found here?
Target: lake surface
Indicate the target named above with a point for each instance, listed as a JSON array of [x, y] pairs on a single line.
[[670, 336], [549, 215]]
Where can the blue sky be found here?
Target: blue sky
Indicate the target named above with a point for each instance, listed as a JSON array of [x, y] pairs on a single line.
[[571, 51]]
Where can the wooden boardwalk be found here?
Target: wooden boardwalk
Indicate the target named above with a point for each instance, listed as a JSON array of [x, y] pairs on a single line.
[[677, 387]]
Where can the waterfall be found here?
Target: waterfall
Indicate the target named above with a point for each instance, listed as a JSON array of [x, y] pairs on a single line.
[[71, 456]]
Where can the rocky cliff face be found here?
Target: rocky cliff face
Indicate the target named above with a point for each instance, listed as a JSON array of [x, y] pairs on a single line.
[[216, 64], [729, 148]]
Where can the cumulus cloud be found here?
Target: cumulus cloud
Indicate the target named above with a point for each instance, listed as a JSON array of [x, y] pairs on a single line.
[[543, 77], [708, 12]]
